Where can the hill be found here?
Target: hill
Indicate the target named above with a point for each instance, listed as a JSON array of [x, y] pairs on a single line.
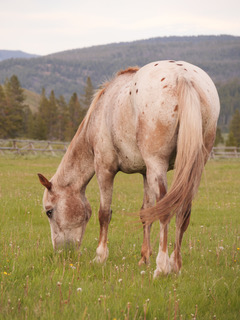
[[13, 54], [66, 72]]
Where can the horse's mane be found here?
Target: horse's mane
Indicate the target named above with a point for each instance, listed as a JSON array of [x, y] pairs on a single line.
[[128, 70]]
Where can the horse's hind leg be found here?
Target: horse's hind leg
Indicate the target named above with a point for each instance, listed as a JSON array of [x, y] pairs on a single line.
[[155, 190], [182, 223], [158, 180]]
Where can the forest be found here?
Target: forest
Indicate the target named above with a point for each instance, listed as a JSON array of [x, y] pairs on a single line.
[[55, 119]]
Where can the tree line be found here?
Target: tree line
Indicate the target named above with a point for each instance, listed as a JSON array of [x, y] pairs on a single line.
[[55, 118]]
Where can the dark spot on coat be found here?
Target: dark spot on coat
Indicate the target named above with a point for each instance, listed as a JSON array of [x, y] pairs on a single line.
[[130, 92], [162, 79], [185, 69], [164, 87], [137, 91], [176, 108], [195, 71], [156, 65], [179, 64], [135, 83], [171, 61]]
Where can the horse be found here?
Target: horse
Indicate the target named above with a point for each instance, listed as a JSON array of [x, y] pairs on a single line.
[[146, 120]]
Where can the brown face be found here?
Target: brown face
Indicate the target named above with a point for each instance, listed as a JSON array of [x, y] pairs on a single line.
[[67, 212]]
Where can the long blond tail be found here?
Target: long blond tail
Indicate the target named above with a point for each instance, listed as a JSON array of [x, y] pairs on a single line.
[[190, 158]]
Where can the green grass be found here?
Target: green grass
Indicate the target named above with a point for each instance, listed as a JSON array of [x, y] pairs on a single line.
[[38, 283]]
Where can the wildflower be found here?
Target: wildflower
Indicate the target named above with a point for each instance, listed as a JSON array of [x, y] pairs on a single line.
[[142, 272], [79, 289], [59, 284], [221, 248], [238, 248], [119, 280]]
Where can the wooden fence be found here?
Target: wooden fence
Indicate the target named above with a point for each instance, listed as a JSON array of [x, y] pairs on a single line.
[[32, 147], [225, 153], [55, 148]]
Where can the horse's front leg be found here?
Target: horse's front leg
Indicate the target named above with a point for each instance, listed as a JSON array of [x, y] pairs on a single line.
[[105, 181], [148, 201]]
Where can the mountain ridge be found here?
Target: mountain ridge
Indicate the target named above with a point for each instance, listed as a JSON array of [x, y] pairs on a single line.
[[15, 54], [66, 72]]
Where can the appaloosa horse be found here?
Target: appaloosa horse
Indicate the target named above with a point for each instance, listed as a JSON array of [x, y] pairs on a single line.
[[148, 120]]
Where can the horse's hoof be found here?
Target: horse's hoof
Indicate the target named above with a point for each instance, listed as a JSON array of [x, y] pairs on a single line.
[[99, 260], [159, 272], [144, 260], [174, 265]]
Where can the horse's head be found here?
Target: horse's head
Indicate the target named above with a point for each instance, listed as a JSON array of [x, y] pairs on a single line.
[[68, 212]]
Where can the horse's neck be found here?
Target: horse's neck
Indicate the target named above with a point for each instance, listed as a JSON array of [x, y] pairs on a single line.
[[77, 165]]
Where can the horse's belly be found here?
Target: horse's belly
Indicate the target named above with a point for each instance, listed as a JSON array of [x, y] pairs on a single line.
[[130, 159]]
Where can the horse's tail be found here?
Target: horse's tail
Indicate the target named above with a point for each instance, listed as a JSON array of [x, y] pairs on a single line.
[[190, 158]]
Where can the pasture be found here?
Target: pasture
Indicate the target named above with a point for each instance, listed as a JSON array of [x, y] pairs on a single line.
[[38, 283]]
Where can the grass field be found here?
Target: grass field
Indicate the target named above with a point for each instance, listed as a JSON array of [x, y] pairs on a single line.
[[37, 283]]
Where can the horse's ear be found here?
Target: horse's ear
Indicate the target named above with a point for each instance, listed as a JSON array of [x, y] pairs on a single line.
[[44, 181]]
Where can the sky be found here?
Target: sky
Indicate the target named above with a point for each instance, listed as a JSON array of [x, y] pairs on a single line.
[[49, 26]]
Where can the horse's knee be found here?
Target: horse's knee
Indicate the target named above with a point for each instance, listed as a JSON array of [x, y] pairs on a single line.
[[104, 216]]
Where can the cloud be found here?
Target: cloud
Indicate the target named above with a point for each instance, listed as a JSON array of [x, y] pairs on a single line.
[[58, 25]]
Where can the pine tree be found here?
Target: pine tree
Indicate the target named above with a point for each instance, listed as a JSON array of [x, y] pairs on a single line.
[[16, 112], [63, 118], [75, 116], [88, 94], [3, 114], [219, 137], [39, 128], [52, 117], [231, 141], [235, 127]]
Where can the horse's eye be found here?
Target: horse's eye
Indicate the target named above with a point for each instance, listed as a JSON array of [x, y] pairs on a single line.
[[49, 213]]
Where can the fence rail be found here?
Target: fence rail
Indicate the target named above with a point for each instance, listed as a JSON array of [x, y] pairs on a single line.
[[54, 148], [225, 153], [32, 146]]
